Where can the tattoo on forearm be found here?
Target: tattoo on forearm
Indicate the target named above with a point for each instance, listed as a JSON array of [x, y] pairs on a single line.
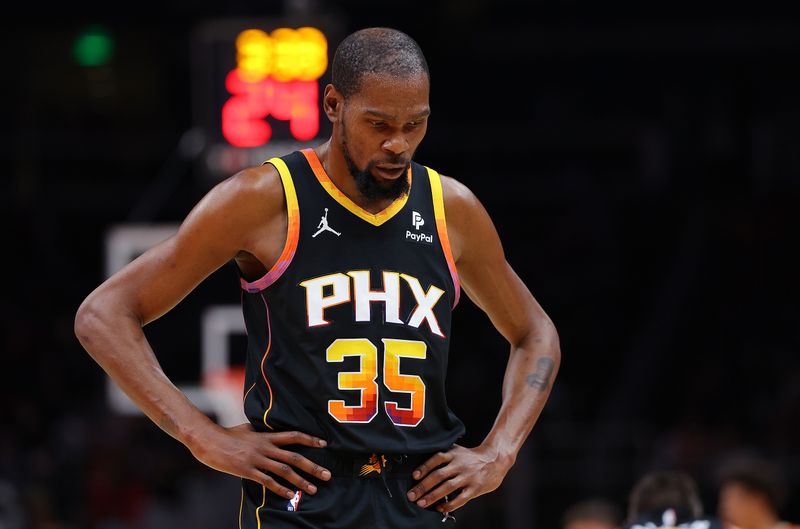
[[541, 378], [168, 425]]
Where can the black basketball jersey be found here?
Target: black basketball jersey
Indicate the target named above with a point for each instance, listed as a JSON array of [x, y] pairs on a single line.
[[348, 333]]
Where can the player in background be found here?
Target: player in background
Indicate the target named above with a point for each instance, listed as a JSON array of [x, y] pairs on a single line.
[[751, 494], [667, 500]]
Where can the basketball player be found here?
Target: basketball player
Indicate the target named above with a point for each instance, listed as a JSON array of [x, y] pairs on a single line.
[[667, 500], [352, 257]]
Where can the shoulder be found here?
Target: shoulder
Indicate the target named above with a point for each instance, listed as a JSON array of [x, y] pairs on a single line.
[[252, 191], [469, 226], [240, 207], [458, 199], [251, 183]]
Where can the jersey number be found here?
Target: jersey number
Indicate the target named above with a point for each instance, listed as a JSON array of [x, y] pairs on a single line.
[[364, 380]]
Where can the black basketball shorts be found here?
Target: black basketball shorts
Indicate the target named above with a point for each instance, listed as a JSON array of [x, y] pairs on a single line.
[[366, 491]]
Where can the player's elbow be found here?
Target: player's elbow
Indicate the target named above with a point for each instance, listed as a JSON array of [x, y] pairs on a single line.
[[87, 321], [95, 319], [555, 350], [540, 337], [547, 337]]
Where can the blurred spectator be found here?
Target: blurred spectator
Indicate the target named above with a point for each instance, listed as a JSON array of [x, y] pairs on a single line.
[[10, 508], [751, 494], [592, 514], [667, 500]]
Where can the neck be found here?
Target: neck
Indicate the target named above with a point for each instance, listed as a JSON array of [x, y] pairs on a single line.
[[336, 168]]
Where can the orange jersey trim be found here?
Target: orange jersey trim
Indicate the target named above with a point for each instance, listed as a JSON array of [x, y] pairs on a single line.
[[264, 359], [292, 233], [263, 502], [441, 228], [241, 507], [376, 219]]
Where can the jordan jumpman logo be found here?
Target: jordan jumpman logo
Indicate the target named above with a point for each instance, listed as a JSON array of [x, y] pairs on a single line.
[[323, 226]]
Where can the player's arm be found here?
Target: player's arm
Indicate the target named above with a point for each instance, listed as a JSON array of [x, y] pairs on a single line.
[[534, 360], [236, 215]]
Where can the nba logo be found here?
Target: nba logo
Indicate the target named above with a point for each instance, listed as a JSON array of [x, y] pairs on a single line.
[[294, 503]]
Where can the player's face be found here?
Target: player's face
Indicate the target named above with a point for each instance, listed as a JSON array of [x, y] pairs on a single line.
[[381, 127]]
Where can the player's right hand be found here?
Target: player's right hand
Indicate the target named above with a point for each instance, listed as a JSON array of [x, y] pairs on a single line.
[[243, 452]]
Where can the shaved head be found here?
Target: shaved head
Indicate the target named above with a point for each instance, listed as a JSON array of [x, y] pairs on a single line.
[[381, 51]]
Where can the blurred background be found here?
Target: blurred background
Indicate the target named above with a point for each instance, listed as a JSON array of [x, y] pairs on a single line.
[[643, 172]]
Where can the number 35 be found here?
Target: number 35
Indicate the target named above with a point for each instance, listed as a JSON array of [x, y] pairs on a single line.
[[364, 380]]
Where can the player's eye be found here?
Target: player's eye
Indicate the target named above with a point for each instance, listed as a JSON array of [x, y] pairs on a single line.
[[378, 124]]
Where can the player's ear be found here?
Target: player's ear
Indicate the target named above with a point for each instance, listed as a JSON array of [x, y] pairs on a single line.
[[332, 103]]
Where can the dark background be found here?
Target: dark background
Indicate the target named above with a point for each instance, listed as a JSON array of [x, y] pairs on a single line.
[[642, 171]]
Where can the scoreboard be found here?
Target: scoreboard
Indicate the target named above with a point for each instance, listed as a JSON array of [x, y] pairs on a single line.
[[276, 75], [257, 89]]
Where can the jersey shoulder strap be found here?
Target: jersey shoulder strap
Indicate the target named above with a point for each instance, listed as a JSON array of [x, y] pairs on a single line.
[[441, 228]]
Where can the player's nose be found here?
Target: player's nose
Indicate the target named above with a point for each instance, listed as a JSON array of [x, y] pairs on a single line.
[[396, 145]]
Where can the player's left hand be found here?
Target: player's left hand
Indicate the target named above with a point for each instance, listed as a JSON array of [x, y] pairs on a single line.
[[475, 471]]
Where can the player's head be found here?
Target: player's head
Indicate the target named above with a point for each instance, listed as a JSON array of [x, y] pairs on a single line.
[[376, 51], [660, 491], [592, 514], [378, 104], [751, 491]]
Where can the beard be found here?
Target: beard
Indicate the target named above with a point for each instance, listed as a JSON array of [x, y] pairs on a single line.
[[369, 186]]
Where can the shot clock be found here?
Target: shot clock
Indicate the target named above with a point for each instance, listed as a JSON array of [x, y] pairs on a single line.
[[257, 89]]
